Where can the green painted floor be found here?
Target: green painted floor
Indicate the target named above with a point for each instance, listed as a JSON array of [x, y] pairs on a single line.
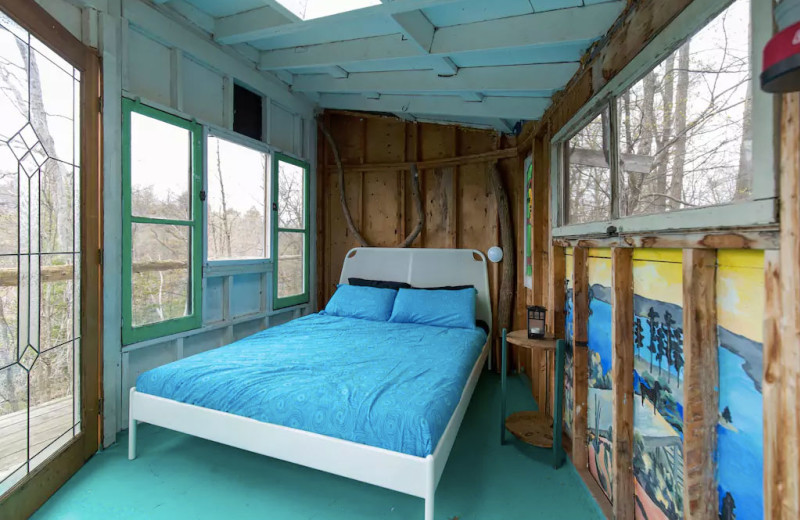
[[177, 476]]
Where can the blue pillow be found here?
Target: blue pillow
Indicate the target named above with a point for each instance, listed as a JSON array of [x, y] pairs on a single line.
[[368, 303], [442, 308]]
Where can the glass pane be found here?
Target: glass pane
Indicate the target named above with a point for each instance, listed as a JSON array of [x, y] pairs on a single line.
[[291, 193], [14, 418], [57, 208], [8, 311], [237, 194], [291, 259], [57, 301], [51, 410], [52, 108], [161, 278], [160, 169], [14, 71], [685, 130], [589, 174], [9, 224]]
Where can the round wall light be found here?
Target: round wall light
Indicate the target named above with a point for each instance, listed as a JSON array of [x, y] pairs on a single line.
[[495, 254]]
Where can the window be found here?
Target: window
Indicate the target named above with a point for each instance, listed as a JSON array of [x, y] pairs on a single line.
[[679, 138], [162, 235], [589, 174], [238, 179], [291, 244]]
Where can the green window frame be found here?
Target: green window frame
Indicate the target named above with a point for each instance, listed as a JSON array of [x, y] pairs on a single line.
[[131, 334], [297, 299]]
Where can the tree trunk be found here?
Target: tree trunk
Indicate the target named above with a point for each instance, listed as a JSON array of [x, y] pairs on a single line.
[[662, 156], [505, 301], [681, 101], [635, 180], [744, 178]]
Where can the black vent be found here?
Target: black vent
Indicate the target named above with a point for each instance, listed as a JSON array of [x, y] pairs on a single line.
[[247, 112]]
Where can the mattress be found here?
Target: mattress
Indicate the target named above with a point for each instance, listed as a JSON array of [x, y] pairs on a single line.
[[388, 385]]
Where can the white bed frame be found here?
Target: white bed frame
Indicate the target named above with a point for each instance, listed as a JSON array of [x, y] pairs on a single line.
[[408, 474]]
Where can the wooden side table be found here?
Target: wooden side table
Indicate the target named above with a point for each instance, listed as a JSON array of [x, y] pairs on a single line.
[[535, 428]]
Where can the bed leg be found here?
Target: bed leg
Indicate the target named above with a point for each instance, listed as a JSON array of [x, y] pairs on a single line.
[[430, 492], [132, 423]]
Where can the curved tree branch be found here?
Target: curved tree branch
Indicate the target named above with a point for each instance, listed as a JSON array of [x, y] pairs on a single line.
[[348, 217]]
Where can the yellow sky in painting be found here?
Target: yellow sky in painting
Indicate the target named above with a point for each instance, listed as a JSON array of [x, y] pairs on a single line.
[[599, 270], [658, 274], [740, 293]]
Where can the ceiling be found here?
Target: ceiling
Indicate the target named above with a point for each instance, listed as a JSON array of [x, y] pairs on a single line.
[[484, 63]]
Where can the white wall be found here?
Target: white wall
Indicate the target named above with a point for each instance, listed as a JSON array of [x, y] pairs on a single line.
[[150, 53]]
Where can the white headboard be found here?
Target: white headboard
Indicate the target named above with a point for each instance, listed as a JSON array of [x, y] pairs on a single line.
[[423, 268]]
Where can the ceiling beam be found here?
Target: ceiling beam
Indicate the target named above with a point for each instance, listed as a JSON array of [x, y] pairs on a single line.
[[545, 29], [417, 28], [493, 107], [248, 22], [234, 34], [523, 78]]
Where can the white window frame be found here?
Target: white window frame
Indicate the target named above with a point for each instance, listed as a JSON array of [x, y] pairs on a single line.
[[253, 144], [759, 210]]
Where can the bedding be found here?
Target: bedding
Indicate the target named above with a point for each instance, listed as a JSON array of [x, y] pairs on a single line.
[[388, 385], [369, 303], [440, 308]]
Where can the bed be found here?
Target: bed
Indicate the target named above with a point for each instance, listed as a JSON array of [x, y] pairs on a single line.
[[377, 402]]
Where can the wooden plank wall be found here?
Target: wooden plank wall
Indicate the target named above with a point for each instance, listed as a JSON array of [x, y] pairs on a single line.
[[459, 205]]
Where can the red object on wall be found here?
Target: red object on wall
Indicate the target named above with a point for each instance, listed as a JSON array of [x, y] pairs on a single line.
[[782, 61]]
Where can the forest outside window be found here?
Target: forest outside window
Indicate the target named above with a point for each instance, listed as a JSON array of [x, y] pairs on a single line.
[[291, 230], [679, 138], [162, 165], [238, 187]]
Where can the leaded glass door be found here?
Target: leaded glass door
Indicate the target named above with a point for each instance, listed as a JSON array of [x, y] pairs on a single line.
[[41, 261]]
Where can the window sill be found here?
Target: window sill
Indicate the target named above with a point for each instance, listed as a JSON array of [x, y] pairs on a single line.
[[216, 268]]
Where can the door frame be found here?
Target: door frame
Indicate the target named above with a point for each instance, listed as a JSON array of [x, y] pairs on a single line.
[[35, 488]]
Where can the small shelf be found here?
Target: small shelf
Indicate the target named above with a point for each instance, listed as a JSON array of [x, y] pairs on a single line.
[[520, 338]]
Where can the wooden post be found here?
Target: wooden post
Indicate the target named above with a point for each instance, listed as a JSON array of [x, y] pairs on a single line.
[[622, 376], [580, 355], [555, 313], [701, 379], [782, 335]]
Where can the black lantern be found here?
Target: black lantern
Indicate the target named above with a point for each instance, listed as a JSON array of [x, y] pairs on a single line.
[[536, 317]]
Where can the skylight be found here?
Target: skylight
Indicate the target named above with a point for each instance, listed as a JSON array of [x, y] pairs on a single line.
[[310, 9]]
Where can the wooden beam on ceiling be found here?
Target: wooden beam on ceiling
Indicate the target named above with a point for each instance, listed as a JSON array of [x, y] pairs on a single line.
[[249, 22], [417, 28], [234, 34], [544, 78], [546, 29], [494, 107]]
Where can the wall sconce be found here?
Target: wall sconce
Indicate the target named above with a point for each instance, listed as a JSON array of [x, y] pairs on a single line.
[[495, 254]]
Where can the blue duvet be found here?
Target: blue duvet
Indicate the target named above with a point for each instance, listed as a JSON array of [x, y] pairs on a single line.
[[389, 385]]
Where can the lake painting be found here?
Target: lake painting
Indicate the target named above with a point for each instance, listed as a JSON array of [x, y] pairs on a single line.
[[740, 432]]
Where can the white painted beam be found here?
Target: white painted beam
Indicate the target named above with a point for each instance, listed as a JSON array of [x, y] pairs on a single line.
[[472, 97], [417, 28], [337, 72], [194, 15], [445, 67], [317, 26], [522, 78], [548, 29], [247, 24], [495, 107]]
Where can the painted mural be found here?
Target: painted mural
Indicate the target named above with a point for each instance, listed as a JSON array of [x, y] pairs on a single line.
[[568, 365], [658, 383], [740, 434], [599, 413], [527, 260]]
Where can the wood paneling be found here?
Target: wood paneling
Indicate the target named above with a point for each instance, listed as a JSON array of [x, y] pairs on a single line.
[[700, 384], [622, 375], [459, 205]]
